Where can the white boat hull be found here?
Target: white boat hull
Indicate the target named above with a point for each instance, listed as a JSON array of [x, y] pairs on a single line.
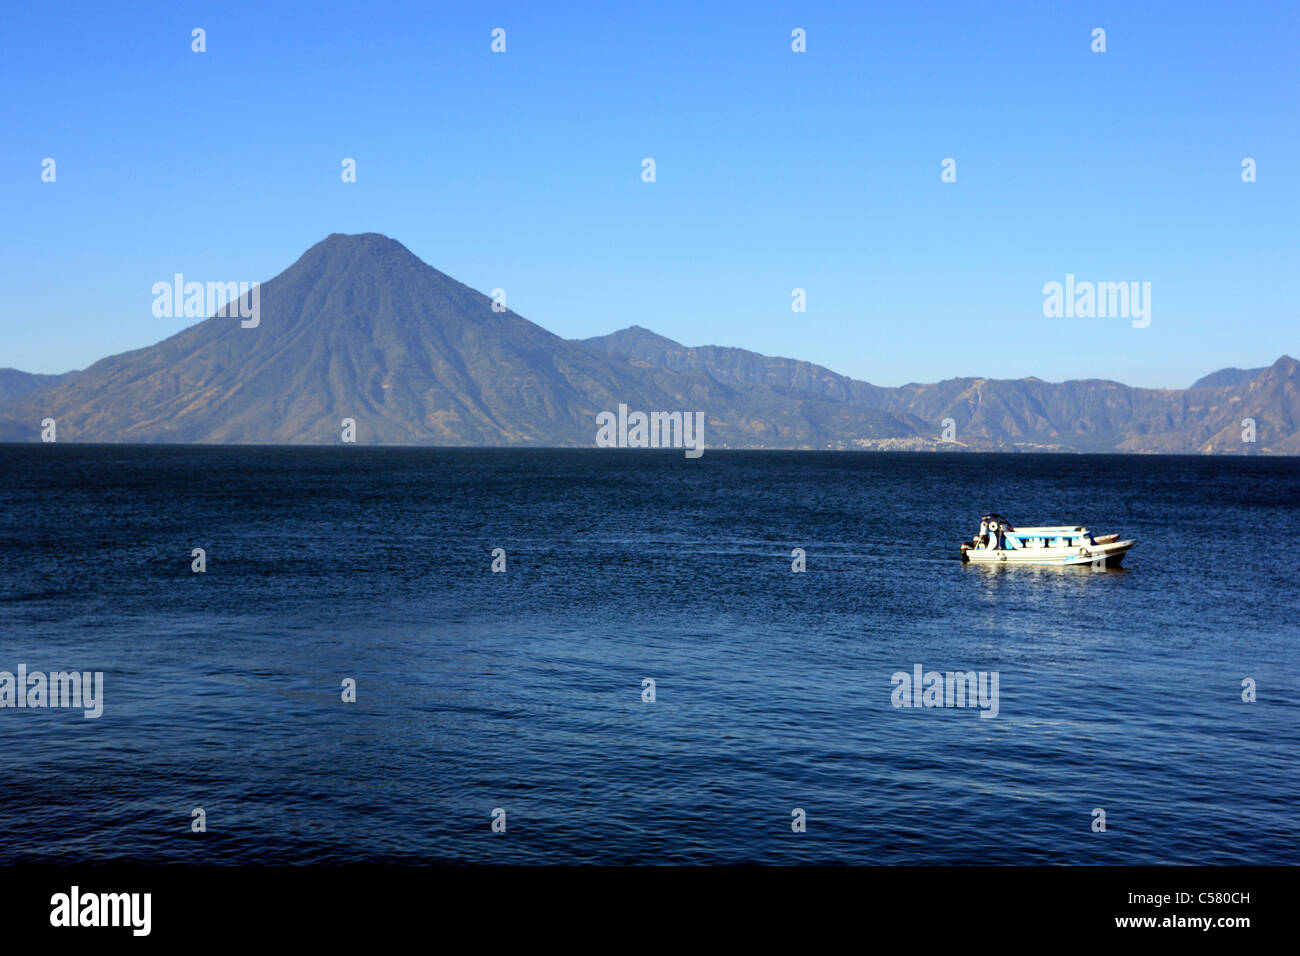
[[1107, 555]]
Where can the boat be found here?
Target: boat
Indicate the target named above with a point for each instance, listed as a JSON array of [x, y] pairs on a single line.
[[1001, 543]]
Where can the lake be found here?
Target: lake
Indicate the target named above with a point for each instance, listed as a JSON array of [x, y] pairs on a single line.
[[525, 691]]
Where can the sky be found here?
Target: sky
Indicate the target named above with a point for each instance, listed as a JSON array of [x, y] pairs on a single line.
[[774, 170]]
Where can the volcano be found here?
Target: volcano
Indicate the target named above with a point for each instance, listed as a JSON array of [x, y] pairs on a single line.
[[359, 328]]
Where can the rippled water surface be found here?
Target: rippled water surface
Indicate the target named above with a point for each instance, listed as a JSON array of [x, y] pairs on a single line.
[[1118, 690]]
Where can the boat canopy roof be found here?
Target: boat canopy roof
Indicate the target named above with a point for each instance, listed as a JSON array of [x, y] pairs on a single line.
[[1027, 534], [1037, 531]]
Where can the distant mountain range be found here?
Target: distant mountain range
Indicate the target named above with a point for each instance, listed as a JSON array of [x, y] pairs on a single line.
[[14, 384], [360, 328]]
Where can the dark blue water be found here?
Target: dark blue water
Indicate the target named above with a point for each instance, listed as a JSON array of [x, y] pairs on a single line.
[[1118, 690]]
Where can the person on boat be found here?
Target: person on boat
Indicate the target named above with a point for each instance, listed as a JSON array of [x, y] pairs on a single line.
[[983, 539]]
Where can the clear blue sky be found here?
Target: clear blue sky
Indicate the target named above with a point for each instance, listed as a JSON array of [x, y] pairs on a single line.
[[775, 170]]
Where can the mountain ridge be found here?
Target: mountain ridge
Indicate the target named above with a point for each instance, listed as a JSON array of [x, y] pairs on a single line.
[[926, 403], [359, 327]]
